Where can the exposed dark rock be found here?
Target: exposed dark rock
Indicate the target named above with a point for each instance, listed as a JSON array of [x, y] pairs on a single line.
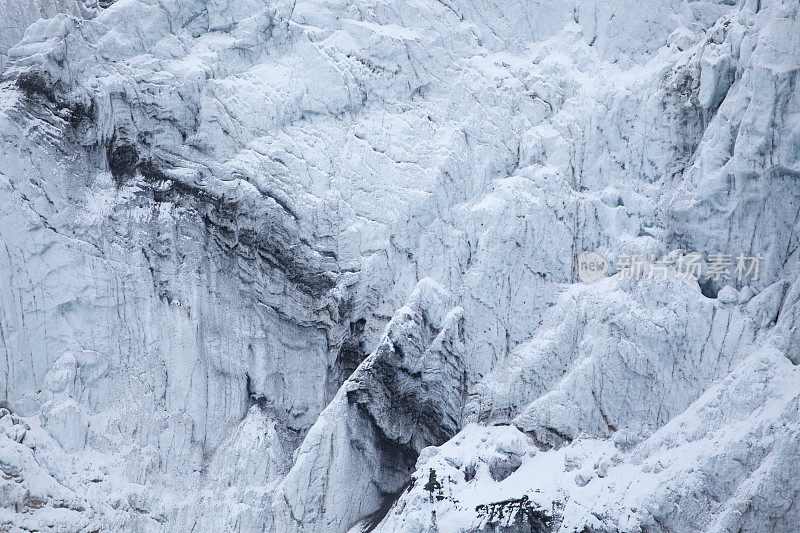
[[547, 438], [418, 417], [470, 471], [434, 486], [35, 85], [351, 353], [372, 521], [709, 287], [123, 159], [407, 395], [238, 231], [516, 515], [502, 467], [39, 91]]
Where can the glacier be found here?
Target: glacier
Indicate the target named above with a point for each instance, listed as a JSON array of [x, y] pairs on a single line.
[[314, 266]]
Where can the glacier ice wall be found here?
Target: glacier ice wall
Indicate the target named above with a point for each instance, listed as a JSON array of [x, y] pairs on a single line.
[[312, 265]]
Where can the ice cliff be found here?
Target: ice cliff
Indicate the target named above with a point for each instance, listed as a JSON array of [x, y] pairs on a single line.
[[313, 266]]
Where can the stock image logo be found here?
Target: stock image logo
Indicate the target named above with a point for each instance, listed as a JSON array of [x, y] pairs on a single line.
[[692, 266], [591, 266]]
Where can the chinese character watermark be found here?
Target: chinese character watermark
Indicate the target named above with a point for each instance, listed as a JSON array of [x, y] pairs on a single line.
[[719, 267]]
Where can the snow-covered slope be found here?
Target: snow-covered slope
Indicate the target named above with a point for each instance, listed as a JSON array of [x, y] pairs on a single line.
[[314, 265]]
